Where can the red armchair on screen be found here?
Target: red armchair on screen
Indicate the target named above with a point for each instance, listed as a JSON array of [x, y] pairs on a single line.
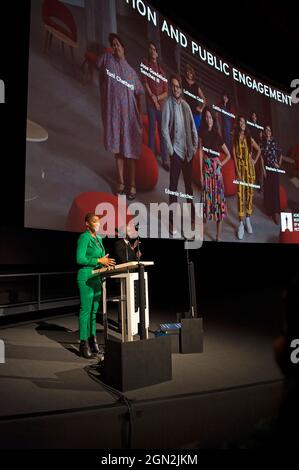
[[59, 22]]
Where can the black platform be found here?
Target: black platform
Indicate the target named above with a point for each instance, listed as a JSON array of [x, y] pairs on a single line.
[[49, 394]]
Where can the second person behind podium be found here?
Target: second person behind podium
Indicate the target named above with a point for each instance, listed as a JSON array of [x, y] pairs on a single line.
[[126, 248]]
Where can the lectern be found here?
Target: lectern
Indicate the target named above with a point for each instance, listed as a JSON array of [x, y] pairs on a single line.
[[133, 364], [129, 298]]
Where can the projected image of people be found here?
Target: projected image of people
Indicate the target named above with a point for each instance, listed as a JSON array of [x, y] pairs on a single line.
[[181, 139], [225, 119], [121, 91], [256, 133], [272, 160], [210, 145], [193, 94], [106, 120], [243, 147], [156, 91], [255, 127]]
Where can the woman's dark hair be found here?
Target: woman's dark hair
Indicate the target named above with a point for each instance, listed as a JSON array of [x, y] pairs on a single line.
[[229, 105], [89, 216], [191, 69], [254, 112], [225, 93], [203, 122], [151, 43], [264, 137], [237, 132], [113, 36], [204, 128]]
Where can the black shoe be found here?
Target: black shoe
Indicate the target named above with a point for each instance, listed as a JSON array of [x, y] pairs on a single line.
[[85, 350], [94, 345]]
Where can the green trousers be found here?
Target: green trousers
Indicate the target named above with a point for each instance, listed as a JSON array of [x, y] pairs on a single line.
[[90, 296]]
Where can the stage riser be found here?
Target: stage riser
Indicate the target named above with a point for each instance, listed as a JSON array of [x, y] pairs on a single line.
[[138, 364], [191, 336], [174, 423]]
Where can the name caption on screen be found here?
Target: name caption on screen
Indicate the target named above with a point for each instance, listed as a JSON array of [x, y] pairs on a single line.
[[244, 183], [149, 72], [275, 170], [120, 80]]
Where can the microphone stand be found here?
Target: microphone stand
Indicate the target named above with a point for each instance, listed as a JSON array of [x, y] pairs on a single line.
[[192, 313], [141, 292], [138, 243], [127, 251]]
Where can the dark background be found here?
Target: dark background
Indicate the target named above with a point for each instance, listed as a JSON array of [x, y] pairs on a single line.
[[238, 279]]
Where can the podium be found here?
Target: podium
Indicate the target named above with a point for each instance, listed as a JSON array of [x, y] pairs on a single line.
[[129, 300], [130, 364]]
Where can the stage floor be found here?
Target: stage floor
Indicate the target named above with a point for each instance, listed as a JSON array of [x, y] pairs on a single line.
[[44, 374]]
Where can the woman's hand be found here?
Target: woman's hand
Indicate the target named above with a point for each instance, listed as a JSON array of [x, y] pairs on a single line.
[[106, 261], [110, 268], [156, 102]]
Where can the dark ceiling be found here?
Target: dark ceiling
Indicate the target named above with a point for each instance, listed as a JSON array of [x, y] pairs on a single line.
[[259, 35]]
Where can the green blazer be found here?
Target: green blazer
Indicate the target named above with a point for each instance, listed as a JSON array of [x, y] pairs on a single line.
[[88, 252]]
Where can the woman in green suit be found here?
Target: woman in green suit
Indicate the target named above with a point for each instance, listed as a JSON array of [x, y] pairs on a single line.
[[90, 255]]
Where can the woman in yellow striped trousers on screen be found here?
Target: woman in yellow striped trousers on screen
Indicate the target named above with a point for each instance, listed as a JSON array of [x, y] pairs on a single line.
[[243, 148]]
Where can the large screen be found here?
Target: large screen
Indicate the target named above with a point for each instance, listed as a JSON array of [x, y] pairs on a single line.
[[127, 111]]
